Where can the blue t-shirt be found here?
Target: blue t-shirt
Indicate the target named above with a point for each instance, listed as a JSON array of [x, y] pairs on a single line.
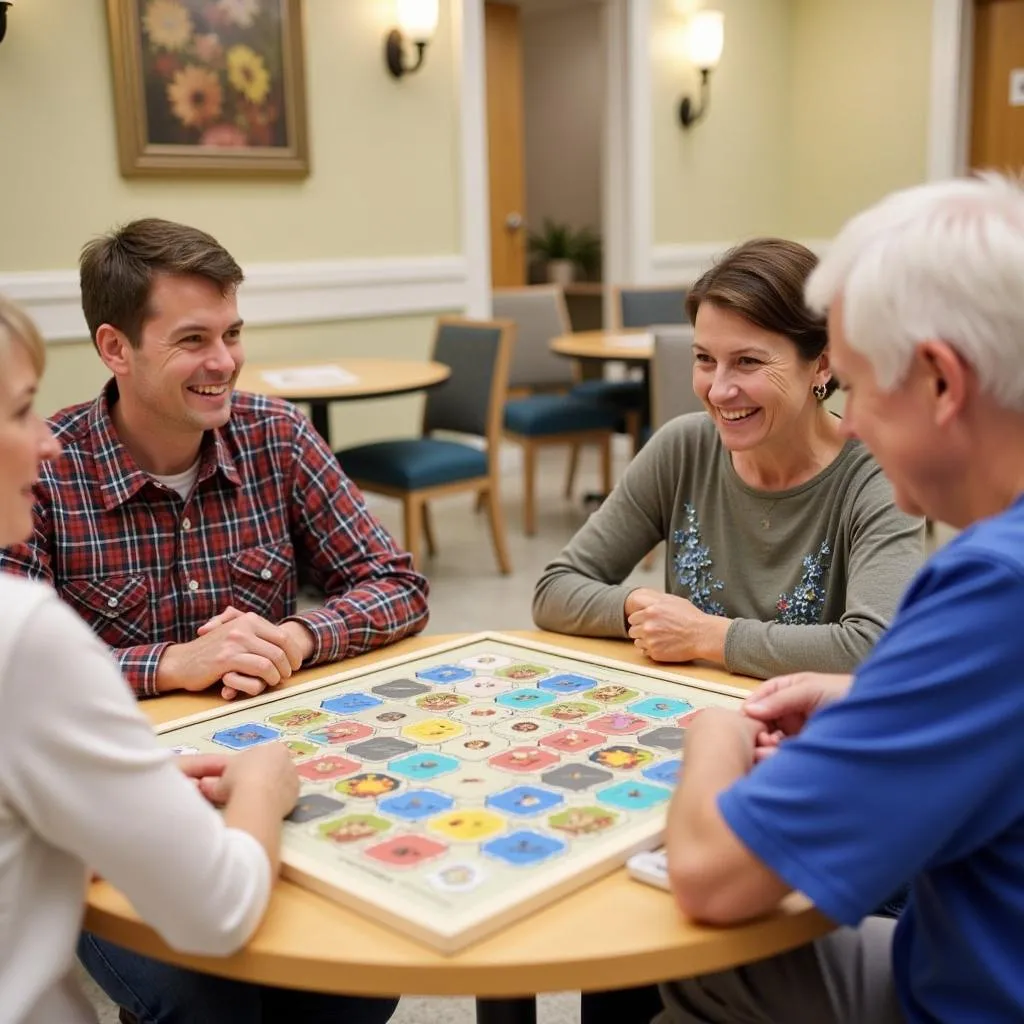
[[918, 774]]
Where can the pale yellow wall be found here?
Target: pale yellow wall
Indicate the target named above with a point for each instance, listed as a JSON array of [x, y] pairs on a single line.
[[727, 176], [859, 110], [385, 181]]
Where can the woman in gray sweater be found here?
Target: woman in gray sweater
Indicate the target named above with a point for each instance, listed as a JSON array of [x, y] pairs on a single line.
[[785, 550]]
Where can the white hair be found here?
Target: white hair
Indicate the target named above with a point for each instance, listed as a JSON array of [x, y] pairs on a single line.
[[943, 261]]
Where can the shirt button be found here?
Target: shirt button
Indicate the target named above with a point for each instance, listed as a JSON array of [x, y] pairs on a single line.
[[186, 523], [193, 585], [111, 602], [265, 574]]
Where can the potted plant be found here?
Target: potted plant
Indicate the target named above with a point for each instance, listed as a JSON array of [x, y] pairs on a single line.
[[563, 250]]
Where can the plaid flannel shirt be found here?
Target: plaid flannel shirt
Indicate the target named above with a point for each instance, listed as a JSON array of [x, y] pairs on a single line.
[[145, 569]]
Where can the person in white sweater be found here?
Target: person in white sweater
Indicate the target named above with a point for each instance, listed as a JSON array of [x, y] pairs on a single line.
[[84, 785]]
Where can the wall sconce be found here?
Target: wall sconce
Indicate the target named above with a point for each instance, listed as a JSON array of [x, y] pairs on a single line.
[[417, 22], [704, 38], [4, 4]]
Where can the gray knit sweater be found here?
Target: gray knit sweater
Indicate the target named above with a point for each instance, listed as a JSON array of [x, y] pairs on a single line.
[[811, 576]]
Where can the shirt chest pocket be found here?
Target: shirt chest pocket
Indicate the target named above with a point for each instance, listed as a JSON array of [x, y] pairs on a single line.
[[116, 607], [263, 580]]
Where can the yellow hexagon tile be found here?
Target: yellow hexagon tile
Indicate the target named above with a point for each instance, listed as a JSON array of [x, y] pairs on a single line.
[[467, 826], [433, 730]]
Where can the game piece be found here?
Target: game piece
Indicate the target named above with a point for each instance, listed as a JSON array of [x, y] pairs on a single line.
[[450, 791], [650, 866]]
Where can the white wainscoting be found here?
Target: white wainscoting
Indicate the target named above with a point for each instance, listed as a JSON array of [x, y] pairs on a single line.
[[279, 293]]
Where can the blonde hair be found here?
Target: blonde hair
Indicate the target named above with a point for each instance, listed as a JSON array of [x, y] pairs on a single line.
[[18, 328]]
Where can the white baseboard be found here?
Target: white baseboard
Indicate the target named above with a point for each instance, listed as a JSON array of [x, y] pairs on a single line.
[[683, 264], [279, 293]]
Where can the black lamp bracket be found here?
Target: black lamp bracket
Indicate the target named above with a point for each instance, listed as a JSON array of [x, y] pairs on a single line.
[[4, 4], [688, 114], [394, 54]]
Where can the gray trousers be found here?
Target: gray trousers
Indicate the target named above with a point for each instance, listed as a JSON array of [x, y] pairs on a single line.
[[844, 978]]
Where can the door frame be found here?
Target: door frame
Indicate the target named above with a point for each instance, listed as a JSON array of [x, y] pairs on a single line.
[[627, 212], [952, 63]]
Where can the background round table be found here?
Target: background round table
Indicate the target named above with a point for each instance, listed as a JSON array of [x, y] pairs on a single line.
[[613, 933], [630, 346], [375, 378]]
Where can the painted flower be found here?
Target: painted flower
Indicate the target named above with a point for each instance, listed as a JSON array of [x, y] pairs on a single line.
[[225, 135], [166, 65], [260, 120], [239, 12], [168, 24], [247, 73], [208, 48], [195, 96]]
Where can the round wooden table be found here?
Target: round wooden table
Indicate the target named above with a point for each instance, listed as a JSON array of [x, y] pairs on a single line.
[[614, 933], [373, 378], [630, 346]]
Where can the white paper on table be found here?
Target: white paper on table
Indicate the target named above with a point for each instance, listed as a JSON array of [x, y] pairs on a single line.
[[328, 375], [634, 341]]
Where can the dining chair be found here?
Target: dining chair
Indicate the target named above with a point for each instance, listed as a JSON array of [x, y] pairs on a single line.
[[468, 404], [547, 415]]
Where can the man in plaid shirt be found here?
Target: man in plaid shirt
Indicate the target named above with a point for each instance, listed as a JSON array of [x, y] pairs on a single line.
[[174, 523], [176, 519]]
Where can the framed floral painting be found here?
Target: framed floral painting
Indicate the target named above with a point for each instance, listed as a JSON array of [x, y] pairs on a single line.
[[211, 87]]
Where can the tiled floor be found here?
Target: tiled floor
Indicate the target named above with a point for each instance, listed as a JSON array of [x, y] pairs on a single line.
[[468, 594]]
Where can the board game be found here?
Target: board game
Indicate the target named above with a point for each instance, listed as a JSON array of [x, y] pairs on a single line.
[[449, 791]]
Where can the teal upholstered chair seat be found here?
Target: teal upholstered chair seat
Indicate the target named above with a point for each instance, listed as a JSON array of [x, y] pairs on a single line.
[[538, 415], [414, 463], [624, 394]]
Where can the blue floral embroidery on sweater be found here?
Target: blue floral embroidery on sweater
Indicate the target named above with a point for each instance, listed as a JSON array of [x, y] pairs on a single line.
[[802, 607], [692, 563]]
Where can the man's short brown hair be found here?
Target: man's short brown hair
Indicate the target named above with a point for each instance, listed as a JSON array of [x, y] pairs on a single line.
[[117, 270]]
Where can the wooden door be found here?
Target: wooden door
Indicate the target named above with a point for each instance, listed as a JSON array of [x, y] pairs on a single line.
[[997, 106], [504, 56]]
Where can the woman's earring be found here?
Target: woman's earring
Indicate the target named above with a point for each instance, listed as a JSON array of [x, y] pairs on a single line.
[[820, 392]]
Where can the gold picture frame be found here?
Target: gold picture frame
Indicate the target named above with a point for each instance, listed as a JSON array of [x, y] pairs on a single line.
[[209, 87]]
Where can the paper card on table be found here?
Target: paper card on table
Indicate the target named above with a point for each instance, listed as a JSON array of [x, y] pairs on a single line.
[[328, 375], [634, 340]]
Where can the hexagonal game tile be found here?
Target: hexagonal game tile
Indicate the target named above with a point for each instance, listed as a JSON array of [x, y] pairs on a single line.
[[570, 711], [567, 682], [347, 703], [415, 804], [400, 689], [249, 734], [661, 707], [312, 806], [576, 777], [523, 672], [300, 748], [525, 699], [523, 848], [618, 723], [434, 730], [568, 741], [367, 785], [440, 701], [525, 801], [486, 662], [353, 828], [424, 766], [583, 821], [634, 796], [406, 851], [524, 759], [481, 714], [521, 728], [476, 746], [444, 674], [468, 826], [611, 693], [482, 687], [379, 748], [687, 720], [665, 772], [474, 782], [300, 718], [329, 766], [339, 732], [621, 758], [668, 737], [391, 716]]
